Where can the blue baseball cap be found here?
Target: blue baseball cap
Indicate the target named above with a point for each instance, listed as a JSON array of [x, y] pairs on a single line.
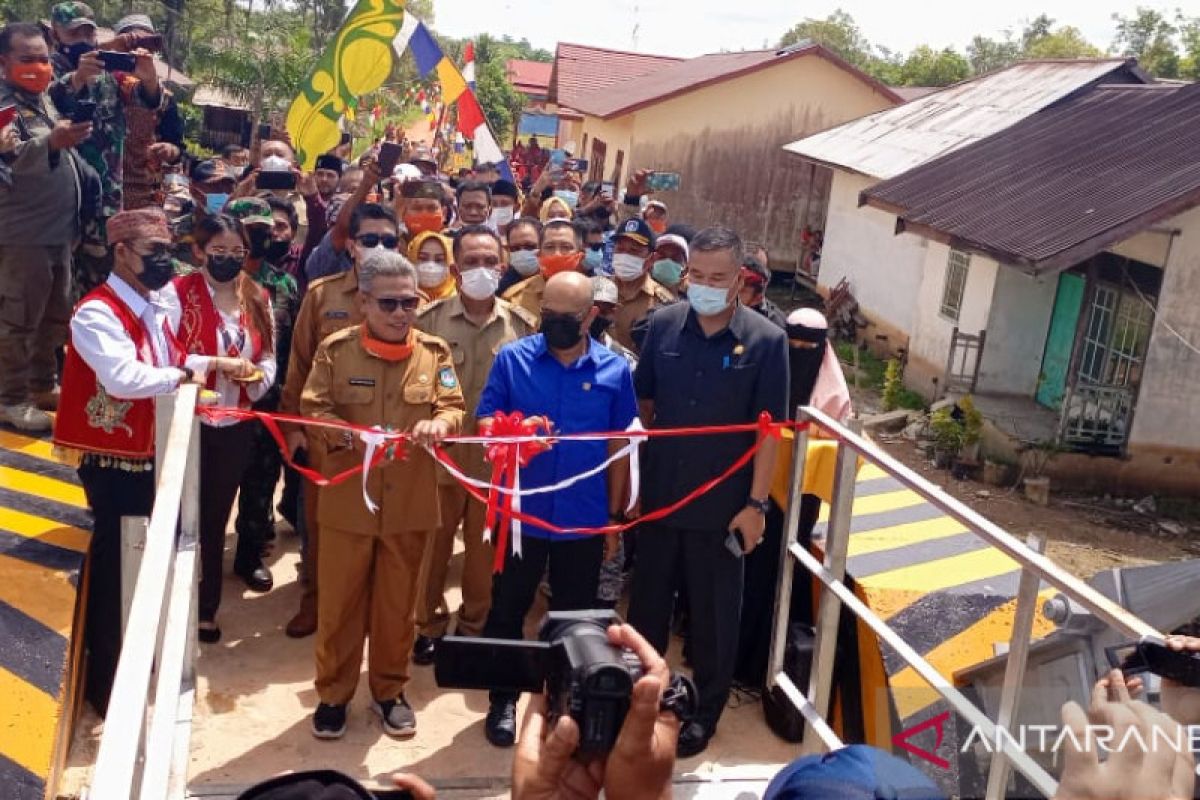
[[855, 772]]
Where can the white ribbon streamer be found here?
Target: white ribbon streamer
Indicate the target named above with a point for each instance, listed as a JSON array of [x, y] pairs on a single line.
[[516, 505], [635, 462], [373, 439]]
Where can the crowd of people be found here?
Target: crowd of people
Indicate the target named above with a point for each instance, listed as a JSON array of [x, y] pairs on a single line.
[[401, 302]]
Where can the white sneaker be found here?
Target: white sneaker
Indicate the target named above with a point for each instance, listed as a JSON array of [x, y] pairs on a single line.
[[25, 417]]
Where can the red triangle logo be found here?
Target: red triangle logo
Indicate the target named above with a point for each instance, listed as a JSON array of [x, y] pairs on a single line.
[[901, 740]]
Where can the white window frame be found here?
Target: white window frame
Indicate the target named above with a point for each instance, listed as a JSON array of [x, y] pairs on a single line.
[[954, 288]]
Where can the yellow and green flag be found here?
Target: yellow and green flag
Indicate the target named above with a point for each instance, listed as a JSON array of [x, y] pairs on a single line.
[[356, 62]]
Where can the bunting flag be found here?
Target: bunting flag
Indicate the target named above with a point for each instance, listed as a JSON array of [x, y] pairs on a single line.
[[469, 65], [416, 38], [356, 62]]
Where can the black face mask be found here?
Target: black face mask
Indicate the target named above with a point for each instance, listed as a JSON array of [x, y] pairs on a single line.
[[157, 270], [562, 331], [599, 326], [74, 52], [224, 268], [805, 363], [277, 251], [260, 240]]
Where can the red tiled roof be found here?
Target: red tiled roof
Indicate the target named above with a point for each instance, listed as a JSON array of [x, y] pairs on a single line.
[[685, 76], [579, 70], [529, 77]]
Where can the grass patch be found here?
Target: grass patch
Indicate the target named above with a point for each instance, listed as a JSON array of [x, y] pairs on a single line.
[[872, 373]]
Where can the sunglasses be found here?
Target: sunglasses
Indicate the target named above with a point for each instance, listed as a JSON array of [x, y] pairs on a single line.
[[370, 240], [388, 305]]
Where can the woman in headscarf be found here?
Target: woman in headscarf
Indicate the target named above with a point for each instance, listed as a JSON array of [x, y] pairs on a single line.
[[816, 374], [555, 208], [432, 253]]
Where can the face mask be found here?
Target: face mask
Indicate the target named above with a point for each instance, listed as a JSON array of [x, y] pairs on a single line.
[[480, 283], [554, 263], [568, 197], [525, 262], [74, 52], [708, 300], [33, 78], [223, 269], [157, 270], [501, 216], [277, 251], [593, 260], [213, 203], [419, 222], [667, 272], [599, 326], [561, 332], [260, 240], [628, 267], [658, 226], [430, 274]]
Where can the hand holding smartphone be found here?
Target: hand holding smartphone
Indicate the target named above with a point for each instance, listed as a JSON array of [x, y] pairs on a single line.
[[389, 157], [84, 111], [663, 181], [117, 62]]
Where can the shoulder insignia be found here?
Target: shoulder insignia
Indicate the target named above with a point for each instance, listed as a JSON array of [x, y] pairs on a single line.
[[446, 378], [432, 341], [523, 314], [324, 280]]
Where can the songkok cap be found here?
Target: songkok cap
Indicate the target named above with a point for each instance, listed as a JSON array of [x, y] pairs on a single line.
[[426, 189], [250, 211], [72, 15], [503, 188], [142, 223], [330, 162]]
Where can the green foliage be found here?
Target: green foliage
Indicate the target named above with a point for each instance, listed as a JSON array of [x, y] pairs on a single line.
[[873, 375], [1065, 42], [948, 433], [892, 385], [838, 32], [1039, 39], [927, 67], [1150, 37], [263, 61], [972, 421], [986, 55], [501, 103], [1036, 456]]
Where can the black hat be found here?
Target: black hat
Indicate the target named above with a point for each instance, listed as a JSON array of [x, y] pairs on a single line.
[[636, 230], [323, 784], [330, 162], [503, 188], [211, 170]]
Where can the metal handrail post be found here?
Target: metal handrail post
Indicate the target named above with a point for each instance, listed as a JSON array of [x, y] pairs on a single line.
[[837, 542], [783, 587], [1014, 668]]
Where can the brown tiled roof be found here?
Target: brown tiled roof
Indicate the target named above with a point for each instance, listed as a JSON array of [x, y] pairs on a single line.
[[529, 77], [579, 69], [696, 73], [1061, 185]]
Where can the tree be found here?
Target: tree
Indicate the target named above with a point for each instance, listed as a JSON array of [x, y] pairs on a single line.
[[1149, 37], [1037, 28], [986, 55], [1189, 36], [1065, 42], [927, 67], [838, 32]]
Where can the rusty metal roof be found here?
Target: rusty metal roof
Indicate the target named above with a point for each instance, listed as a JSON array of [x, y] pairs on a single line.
[[696, 73], [890, 142], [579, 69], [1062, 185]]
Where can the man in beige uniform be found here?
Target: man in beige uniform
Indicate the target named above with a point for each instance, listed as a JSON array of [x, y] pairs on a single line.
[[382, 373], [475, 323], [330, 305], [560, 250], [633, 243]]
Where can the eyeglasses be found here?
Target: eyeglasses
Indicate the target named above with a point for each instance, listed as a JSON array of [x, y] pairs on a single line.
[[388, 305], [370, 240]]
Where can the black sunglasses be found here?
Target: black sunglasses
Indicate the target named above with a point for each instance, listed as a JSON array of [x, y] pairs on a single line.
[[388, 305], [369, 240]]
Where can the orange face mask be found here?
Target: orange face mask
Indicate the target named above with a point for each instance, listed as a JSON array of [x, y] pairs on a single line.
[[388, 351], [418, 222], [554, 263], [33, 78], [657, 225]]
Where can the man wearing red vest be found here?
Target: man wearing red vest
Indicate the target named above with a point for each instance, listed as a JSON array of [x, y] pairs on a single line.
[[122, 354]]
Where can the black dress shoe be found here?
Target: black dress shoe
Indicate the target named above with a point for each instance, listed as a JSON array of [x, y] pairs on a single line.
[[500, 727], [693, 739], [424, 650], [209, 633], [257, 577]]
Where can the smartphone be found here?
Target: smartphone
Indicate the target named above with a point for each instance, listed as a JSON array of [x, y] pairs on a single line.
[[608, 190], [264, 131], [663, 181], [389, 156], [557, 158], [117, 62], [576, 164], [735, 544], [275, 180], [84, 111], [7, 115], [1151, 654], [346, 139]]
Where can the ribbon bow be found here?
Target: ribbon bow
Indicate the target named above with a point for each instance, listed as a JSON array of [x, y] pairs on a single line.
[[377, 449], [507, 455]]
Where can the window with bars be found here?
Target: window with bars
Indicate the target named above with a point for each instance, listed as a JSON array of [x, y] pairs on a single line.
[[955, 285]]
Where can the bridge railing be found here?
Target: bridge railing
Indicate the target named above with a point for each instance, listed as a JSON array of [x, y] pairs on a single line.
[[813, 701], [144, 748]]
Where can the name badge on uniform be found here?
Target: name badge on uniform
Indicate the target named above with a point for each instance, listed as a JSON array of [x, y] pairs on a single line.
[[362, 381], [338, 315], [447, 378]]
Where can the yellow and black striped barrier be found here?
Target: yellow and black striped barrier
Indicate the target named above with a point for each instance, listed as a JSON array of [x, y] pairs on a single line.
[[44, 524]]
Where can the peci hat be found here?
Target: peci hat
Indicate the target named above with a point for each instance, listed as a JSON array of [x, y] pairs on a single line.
[[330, 162], [131, 21], [503, 188], [636, 230], [72, 15], [425, 188]]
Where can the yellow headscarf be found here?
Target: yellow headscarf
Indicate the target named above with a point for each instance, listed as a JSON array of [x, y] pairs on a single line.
[[546, 206], [447, 287]]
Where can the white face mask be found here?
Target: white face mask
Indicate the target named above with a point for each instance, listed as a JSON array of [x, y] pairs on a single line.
[[525, 262], [628, 267], [431, 274], [480, 283], [501, 216], [707, 301]]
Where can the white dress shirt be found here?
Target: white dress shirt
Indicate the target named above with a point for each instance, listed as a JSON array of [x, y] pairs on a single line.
[[101, 341]]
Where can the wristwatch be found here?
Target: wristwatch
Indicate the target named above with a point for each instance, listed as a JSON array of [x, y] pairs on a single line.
[[761, 506], [188, 374]]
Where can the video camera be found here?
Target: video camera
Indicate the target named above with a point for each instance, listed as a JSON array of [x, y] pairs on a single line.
[[582, 674]]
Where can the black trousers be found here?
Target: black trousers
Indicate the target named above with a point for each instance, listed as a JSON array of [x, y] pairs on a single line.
[[713, 578], [256, 503], [112, 493], [224, 457], [574, 579]]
